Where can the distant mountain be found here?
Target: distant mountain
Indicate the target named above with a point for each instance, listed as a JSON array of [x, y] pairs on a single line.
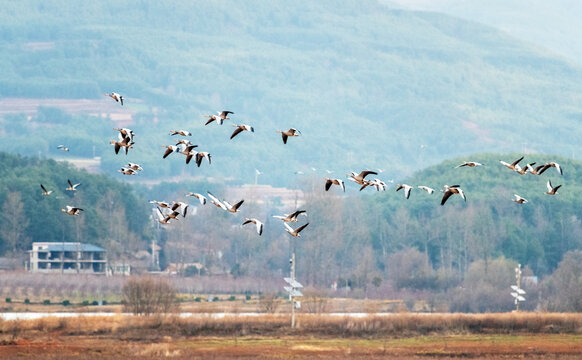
[[553, 25], [367, 86]]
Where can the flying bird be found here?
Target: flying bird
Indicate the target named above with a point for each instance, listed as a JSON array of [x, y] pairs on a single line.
[[123, 142], [180, 207], [426, 188], [164, 218], [200, 197], [115, 96], [511, 166], [291, 217], [291, 132], [232, 208], [44, 191], [552, 190], [162, 204], [135, 167], [170, 149], [469, 164], [71, 210], [219, 118], [241, 128], [71, 186], [202, 155], [180, 132], [359, 178], [125, 133], [127, 171], [259, 225], [518, 199], [451, 190], [329, 182], [407, 188], [554, 165], [294, 232]]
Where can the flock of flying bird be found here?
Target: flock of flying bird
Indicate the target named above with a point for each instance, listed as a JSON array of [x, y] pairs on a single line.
[[165, 212]]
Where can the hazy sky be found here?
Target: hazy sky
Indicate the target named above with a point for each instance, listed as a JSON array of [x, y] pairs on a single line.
[[554, 24]]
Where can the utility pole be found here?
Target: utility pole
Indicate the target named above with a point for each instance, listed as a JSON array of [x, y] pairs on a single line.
[[293, 289], [517, 291]]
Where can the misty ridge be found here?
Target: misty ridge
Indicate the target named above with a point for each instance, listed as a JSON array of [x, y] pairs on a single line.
[[407, 94]]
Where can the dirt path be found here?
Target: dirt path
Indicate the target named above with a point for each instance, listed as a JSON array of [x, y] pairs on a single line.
[[429, 347]]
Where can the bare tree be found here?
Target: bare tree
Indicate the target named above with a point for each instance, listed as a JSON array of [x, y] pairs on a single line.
[[146, 296], [14, 223]]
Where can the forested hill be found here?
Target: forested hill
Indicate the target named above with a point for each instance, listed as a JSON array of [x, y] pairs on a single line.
[[368, 86], [489, 224], [112, 216], [377, 225]]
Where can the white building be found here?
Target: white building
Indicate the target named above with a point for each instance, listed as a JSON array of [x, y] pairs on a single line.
[[67, 257]]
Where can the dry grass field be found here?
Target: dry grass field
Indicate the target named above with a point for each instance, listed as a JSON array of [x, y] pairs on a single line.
[[403, 335]]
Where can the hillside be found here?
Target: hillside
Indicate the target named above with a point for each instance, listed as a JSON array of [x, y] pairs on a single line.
[[369, 87], [112, 216]]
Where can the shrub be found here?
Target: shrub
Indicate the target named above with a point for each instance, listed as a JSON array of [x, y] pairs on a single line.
[[146, 296], [8, 300], [46, 302], [232, 298], [27, 301], [247, 297], [95, 303], [66, 303], [85, 303], [198, 299]]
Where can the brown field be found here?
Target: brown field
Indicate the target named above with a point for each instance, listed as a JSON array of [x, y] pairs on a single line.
[[404, 336]]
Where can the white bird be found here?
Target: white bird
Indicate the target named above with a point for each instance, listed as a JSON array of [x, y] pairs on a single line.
[[291, 217], [135, 167], [201, 155], [200, 197], [554, 165], [511, 166], [220, 117], [294, 232], [518, 199], [360, 178], [71, 186], [162, 204], [378, 184], [127, 171], [426, 188], [115, 96], [329, 182], [63, 148], [71, 210], [44, 191], [180, 207], [123, 142], [469, 164], [232, 208], [552, 190], [240, 128], [187, 150], [170, 149], [214, 200], [125, 133], [286, 134], [160, 217], [258, 224], [180, 132], [407, 188], [451, 190]]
